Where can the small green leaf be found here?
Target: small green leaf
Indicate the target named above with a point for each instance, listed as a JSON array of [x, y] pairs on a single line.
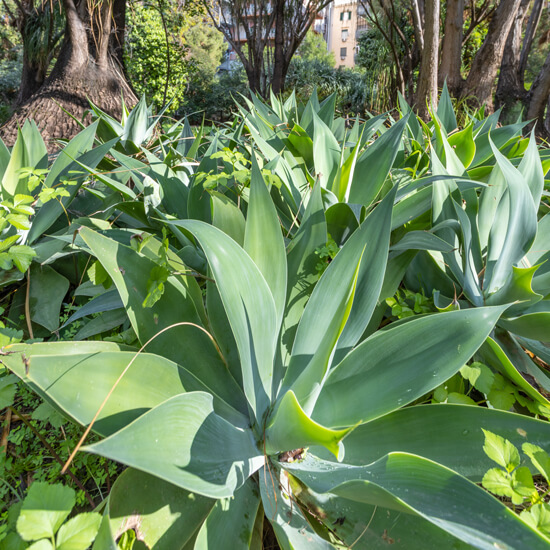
[[8, 387], [155, 285], [501, 399], [501, 451], [460, 399], [440, 394], [22, 256], [19, 221], [46, 413], [539, 457], [498, 482], [538, 517], [479, 375], [523, 485], [6, 243], [44, 509], [78, 532], [97, 274], [43, 544]]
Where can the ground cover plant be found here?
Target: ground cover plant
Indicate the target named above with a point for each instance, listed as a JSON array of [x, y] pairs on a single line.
[[264, 371]]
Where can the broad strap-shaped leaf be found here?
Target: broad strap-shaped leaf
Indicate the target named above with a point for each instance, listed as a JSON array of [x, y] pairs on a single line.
[[231, 522], [326, 152], [531, 168], [227, 217], [364, 526], [57, 372], [47, 291], [263, 240], [447, 434], [37, 153], [422, 240], [163, 516], [250, 309], [520, 229], [322, 323], [290, 428], [302, 273], [130, 272], [534, 323], [375, 233], [428, 490], [518, 288], [291, 528], [464, 145], [394, 367], [495, 356], [12, 184], [445, 110], [193, 448], [374, 164], [498, 136]]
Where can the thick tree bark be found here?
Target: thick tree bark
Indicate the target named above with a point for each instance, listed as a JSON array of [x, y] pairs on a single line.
[[539, 97], [85, 71], [478, 87], [32, 77], [277, 83], [427, 79], [451, 48], [530, 32], [510, 88]]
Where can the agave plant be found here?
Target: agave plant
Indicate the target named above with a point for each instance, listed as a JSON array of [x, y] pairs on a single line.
[[266, 408], [498, 253]]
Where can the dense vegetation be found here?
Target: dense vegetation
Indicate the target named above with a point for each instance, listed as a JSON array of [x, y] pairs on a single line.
[[319, 331]]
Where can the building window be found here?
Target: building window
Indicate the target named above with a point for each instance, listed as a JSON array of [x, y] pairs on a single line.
[[345, 33], [345, 15], [343, 53]]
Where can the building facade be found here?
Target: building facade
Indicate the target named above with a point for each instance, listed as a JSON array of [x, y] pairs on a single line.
[[344, 21]]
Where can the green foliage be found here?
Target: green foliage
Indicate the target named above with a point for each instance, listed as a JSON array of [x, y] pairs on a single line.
[[406, 304], [314, 48], [302, 284], [206, 48], [146, 57], [41, 519], [515, 482]]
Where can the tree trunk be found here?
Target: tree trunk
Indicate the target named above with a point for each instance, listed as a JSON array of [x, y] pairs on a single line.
[[510, 87], [277, 83], [478, 88], [427, 79], [530, 32], [539, 96], [32, 77], [85, 70], [451, 48]]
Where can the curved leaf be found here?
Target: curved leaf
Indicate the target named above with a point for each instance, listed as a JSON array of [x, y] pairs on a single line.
[[290, 428], [263, 240], [448, 434], [184, 429], [162, 515], [428, 490], [56, 371], [130, 272], [250, 309], [374, 164], [230, 524], [394, 367]]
